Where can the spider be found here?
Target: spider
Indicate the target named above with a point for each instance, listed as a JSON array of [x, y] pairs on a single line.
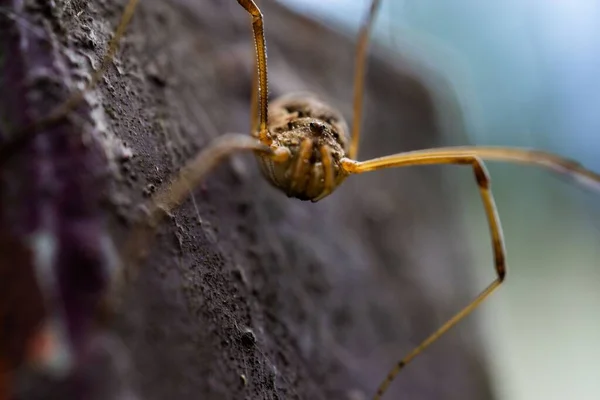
[[305, 149]]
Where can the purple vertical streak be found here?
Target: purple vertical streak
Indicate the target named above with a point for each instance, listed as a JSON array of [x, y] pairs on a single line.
[[52, 189]]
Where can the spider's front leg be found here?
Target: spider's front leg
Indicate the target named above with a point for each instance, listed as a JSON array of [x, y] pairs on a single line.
[[174, 193], [483, 182], [472, 155], [260, 90]]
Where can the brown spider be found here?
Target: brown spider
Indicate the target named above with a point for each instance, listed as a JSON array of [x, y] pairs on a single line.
[[305, 149]]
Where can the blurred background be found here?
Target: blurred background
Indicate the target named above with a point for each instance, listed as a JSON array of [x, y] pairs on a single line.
[[525, 74]]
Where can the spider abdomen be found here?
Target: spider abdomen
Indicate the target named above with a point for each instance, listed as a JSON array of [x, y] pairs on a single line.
[[311, 130]]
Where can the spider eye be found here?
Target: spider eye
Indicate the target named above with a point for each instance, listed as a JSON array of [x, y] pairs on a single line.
[[316, 127]]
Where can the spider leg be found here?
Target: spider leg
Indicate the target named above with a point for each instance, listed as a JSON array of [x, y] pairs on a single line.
[[173, 194], [483, 182], [557, 164], [24, 135], [254, 128], [261, 66], [359, 76]]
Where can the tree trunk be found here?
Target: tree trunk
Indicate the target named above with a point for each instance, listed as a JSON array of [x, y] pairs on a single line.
[[245, 293]]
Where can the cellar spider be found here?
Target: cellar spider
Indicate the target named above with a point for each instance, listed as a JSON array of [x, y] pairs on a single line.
[[305, 149]]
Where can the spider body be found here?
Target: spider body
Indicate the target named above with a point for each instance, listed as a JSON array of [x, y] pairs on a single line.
[[315, 136]]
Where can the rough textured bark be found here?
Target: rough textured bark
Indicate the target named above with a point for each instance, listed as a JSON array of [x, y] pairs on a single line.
[[245, 293]]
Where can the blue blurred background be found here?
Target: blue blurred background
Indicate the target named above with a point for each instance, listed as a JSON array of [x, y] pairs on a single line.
[[526, 73]]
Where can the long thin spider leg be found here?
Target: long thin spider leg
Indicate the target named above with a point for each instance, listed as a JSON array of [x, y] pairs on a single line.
[[254, 128], [329, 183], [555, 163], [483, 182], [359, 77], [176, 191], [261, 65], [24, 135]]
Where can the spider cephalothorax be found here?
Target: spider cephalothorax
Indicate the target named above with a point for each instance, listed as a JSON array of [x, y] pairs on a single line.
[[316, 136]]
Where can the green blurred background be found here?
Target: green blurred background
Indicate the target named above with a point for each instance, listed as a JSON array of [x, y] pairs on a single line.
[[526, 73]]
